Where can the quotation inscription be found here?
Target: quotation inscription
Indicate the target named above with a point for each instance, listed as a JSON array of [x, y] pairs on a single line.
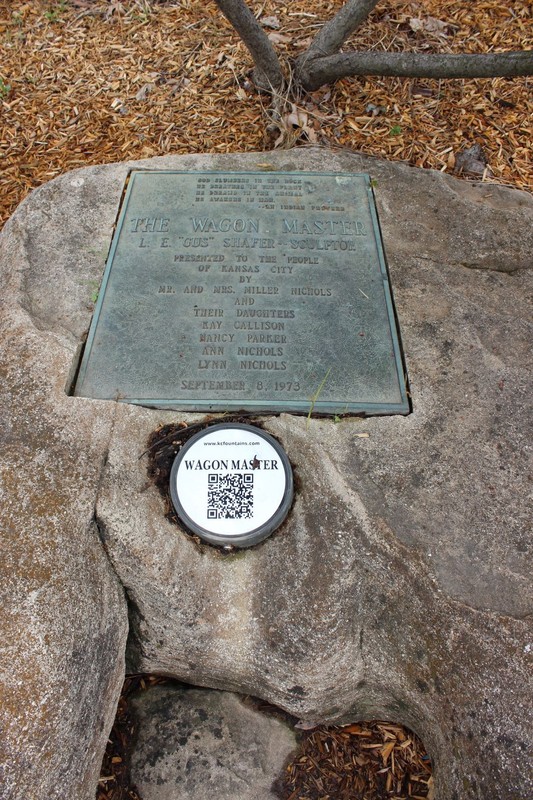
[[243, 269]]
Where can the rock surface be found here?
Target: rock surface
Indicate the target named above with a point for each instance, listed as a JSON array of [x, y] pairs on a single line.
[[197, 744], [64, 617], [399, 586]]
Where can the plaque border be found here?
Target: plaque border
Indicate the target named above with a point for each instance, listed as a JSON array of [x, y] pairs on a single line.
[[317, 407]]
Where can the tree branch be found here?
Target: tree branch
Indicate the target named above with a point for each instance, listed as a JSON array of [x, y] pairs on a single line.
[[267, 74], [334, 33], [319, 71]]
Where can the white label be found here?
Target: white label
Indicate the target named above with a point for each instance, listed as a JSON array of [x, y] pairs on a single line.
[[231, 481]]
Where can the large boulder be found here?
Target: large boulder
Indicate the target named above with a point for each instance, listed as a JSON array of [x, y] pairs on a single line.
[[64, 619], [398, 587]]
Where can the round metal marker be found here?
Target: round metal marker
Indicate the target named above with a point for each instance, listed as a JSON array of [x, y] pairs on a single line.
[[232, 485]]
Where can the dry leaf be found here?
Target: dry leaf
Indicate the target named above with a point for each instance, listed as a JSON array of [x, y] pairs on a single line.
[[472, 161], [433, 25], [279, 38], [144, 91], [270, 22], [297, 117], [429, 25]]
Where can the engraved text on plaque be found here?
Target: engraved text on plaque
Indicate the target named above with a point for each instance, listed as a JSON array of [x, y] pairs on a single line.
[[246, 290]]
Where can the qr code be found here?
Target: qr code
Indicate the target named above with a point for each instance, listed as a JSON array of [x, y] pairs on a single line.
[[230, 496]]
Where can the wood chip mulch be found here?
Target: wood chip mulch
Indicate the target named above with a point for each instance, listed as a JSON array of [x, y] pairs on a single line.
[[95, 81], [114, 783], [365, 761], [372, 760]]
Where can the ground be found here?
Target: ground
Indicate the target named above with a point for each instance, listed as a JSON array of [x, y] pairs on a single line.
[[94, 81]]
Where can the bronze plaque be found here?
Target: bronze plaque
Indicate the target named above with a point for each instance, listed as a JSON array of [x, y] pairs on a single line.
[[257, 291]]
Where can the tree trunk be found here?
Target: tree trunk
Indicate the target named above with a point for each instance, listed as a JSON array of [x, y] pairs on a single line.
[[319, 71], [334, 33], [322, 63], [267, 74]]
